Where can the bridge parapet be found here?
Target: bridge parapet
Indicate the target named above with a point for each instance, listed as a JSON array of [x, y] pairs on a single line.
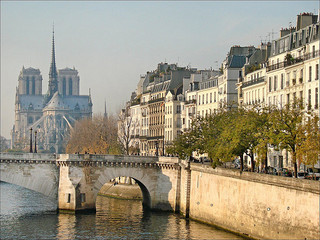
[[117, 161], [27, 158]]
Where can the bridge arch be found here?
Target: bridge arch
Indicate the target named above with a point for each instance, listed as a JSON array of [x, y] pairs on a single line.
[[37, 172], [146, 179]]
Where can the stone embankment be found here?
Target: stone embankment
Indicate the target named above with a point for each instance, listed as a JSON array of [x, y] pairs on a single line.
[[121, 191]]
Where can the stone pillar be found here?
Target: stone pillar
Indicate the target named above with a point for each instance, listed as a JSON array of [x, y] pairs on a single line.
[[75, 189], [185, 188]]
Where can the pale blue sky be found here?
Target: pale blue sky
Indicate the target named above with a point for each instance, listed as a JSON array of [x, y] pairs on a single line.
[[112, 43]]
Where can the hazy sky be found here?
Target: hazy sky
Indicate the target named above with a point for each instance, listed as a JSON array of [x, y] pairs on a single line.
[[112, 43]]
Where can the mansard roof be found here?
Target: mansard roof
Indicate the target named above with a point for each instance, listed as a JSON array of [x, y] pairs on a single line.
[[237, 61]]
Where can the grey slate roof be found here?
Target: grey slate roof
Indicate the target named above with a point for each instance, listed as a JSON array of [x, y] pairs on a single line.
[[26, 101], [59, 102], [237, 61]]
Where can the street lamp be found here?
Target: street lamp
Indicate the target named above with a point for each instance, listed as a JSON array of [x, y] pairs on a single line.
[[35, 141], [31, 140]]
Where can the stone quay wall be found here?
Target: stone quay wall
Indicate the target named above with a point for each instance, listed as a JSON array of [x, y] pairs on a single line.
[[257, 205]]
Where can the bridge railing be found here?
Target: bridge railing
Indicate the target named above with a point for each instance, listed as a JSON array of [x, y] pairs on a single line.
[[85, 157], [28, 156]]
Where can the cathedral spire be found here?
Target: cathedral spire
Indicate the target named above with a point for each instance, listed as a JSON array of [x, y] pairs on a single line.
[[53, 75]]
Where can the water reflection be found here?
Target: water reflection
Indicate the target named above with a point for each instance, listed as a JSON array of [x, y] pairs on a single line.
[[28, 215], [66, 226]]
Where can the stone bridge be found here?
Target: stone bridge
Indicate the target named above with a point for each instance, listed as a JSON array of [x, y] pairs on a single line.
[[75, 179], [257, 205]]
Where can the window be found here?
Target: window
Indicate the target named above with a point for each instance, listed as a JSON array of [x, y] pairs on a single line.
[[82, 197], [68, 198], [310, 73], [70, 86], [288, 98], [301, 76], [210, 97], [316, 104], [64, 86], [309, 99], [317, 72], [313, 51], [275, 83], [199, 100], [178, 109], [207, 98], [215, 96], [270, 86], [33, 89], [280, 161], [282, 81], [27, 86]]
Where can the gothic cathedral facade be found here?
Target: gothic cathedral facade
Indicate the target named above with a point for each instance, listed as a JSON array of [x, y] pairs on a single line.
[[51, 116]]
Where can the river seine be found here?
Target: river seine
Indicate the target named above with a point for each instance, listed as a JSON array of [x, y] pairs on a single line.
[[27, 214]]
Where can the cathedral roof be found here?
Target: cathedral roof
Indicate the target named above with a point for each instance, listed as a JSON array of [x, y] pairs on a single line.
[[59, 102], [34, 102]]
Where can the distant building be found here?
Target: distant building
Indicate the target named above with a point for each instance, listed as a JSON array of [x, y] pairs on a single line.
[[51, 115]]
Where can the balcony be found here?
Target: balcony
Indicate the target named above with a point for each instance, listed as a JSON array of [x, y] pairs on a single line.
[[252, 82], [155, 138], [156, 100], [143, 137], [293, 61], [192, 101]]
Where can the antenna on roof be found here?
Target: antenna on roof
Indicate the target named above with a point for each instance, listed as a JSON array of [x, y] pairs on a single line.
[[271, 34]]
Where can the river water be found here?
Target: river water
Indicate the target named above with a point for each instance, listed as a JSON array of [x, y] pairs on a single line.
[[26, 214]]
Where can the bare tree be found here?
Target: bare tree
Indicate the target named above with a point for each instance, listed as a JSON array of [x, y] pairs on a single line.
[[126, 125], [97, 135]]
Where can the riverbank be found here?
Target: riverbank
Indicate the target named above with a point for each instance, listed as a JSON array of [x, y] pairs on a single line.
[[121, 191]]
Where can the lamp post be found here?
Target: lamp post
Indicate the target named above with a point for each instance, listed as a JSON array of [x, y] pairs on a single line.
[[31, 140], [35, 141]]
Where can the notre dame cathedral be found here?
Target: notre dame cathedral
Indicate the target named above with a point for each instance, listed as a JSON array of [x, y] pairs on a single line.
[[51, 115]]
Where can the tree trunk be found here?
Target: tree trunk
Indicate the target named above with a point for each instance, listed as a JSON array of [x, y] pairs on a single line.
[[127, 148], [241, 163], [266, 164], [266, 160], [294, 158], [252, 162]]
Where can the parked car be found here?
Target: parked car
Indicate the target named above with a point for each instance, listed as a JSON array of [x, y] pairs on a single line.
[[301, 175], [272, 171], [313, 177], [314, 171], [286, 172]]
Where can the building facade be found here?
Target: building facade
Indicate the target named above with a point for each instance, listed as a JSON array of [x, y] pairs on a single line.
[[273, 73], [290, 72], [50, 115]]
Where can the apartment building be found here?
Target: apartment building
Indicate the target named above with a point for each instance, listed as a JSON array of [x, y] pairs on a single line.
[[290, 72]]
